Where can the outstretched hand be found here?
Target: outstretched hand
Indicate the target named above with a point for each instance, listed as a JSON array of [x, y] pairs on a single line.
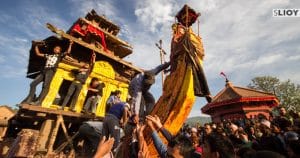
[[143, 152], [156, 120], [94, 55], [104, 147], [140, 130]]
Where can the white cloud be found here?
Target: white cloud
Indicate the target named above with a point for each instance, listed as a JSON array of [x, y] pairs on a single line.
[[35, 21], [268, 59], [82, 7], [15, 39], [14, 56], [154, 14], [238, 38], [294, 58]]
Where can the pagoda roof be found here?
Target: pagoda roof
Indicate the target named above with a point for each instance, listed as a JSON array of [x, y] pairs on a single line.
[[123, 47], [103, 20], [234, 94]]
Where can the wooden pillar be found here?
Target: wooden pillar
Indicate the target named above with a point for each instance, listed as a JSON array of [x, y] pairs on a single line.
[[44, 135], [59, 122], [52, 137]]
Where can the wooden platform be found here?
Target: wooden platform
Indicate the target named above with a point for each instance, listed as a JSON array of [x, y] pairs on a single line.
[[35, 111]]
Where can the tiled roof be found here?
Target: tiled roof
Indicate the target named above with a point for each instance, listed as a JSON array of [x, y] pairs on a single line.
[[233, 94]]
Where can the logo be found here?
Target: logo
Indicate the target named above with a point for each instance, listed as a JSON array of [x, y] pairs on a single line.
[[286, 12]]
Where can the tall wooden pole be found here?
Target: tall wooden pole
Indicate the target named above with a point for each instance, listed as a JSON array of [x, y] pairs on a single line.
[[162, 59]]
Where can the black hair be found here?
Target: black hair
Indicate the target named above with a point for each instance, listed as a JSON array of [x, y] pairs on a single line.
[[149, 78], [207, 124], [117, 92], [266, 153], [246, 152], [220, 144], [294, 145], [94, 79], [185, 145]]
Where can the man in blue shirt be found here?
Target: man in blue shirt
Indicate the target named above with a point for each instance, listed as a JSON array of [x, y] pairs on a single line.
[[116, 118], [113, 99]]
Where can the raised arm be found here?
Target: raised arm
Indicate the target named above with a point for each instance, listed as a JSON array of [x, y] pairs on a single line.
[[125, 116], [93, 60], [83, 70], [93, 89], [156, 121], [160, 147], [104, 147], [38, 53], [70, 47], [143, 147]]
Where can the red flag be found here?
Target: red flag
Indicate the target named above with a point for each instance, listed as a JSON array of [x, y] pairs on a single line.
[[223, 74]]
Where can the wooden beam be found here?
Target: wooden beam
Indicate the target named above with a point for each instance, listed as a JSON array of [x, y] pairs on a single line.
[[52, 137], [62, 123], [92, 47], [40, 109], [63, 145], [45, 133]]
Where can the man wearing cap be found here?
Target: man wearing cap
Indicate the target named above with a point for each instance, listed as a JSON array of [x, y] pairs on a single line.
[[116, 118], [47, 73], [139, 90]]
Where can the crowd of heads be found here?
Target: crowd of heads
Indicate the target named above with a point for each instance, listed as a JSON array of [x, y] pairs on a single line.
[[238, 138], [247, 138]]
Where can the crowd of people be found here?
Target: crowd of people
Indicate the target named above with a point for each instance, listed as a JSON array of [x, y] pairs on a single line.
[[238, 138]]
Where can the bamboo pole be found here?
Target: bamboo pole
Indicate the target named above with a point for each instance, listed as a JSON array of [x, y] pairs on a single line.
[[162, 54], [162, 58]]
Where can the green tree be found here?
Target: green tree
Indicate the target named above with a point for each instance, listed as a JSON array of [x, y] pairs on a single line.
[[287, 92]]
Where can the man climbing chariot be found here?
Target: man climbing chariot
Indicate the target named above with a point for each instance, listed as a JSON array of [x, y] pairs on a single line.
[[142, 100]]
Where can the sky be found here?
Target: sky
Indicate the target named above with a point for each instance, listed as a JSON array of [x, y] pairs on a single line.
[[240, 37]]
